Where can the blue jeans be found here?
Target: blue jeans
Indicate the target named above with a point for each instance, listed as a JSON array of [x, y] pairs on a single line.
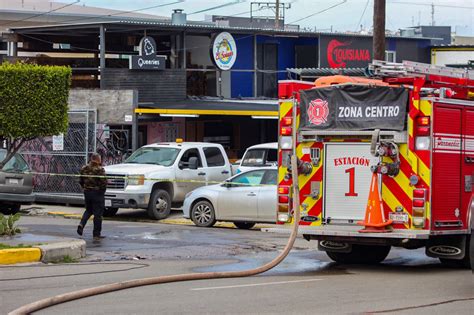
[[95, 205]]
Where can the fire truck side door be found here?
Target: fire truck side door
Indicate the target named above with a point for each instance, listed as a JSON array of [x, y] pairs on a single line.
[[446, 166]]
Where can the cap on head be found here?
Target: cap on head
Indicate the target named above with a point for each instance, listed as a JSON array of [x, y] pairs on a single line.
[[96, 158]]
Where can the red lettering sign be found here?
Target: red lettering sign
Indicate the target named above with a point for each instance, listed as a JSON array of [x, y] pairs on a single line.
[[337, 54]]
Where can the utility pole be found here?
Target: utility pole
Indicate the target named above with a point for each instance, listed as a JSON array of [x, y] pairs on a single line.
[[432, 14], [277, 14], [379, 30]]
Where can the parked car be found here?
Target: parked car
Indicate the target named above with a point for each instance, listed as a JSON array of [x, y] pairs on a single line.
[[157, 175], [16, 185], [260, 155], [245, 199]]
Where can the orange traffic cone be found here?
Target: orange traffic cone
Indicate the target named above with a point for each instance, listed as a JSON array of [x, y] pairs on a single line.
[[374, 218]]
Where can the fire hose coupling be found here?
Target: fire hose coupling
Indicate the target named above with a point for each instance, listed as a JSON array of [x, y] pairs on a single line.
[[304, 168], [390, 169], [388, 149]]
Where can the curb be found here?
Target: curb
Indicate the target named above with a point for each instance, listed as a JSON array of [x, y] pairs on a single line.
[[54, 252]]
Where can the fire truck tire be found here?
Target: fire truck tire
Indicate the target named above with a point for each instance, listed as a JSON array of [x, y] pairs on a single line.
[[361, 254], [244, 225], [159, 206], [203, 214], [110, 212]]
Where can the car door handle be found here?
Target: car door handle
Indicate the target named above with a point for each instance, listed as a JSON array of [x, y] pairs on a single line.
[[201, 173], [225, 172], [251, 194]]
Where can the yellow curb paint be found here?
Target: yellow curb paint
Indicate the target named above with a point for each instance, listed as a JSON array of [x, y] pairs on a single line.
[[19, 255], [177, 221]]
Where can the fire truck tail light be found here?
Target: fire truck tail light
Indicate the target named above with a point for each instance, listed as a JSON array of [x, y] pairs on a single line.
[[422, 143], [423, 121], [283, 190], [418, 203], [283, 199], [287, 121], [419, 222], [286, 143], [418, 212], [419, 193], [423, 130], [283, 217], [286, 131]]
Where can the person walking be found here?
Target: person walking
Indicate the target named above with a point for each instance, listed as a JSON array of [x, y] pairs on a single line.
[[94, 183]]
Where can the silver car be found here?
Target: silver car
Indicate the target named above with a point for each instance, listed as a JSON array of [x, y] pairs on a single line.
[[245, 199], [16, 184]]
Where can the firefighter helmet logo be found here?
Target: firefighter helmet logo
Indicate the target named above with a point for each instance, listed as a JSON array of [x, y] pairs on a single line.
[[318, 111]]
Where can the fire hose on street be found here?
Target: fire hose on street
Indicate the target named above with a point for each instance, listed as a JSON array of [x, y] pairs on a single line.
[[107, 288]]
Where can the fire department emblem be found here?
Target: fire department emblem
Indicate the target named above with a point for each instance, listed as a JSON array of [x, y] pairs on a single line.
[[318, 111]]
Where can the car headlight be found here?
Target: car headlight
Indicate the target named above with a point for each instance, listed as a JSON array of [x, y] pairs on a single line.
[[136, 180]]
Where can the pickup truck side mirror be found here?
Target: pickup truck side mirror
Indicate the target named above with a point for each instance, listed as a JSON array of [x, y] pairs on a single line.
[[193, 163]]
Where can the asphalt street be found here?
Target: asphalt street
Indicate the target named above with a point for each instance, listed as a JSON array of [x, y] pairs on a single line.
[[307, 282]]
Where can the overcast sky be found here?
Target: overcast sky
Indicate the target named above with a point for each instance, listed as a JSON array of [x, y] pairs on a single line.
[[459, 14]]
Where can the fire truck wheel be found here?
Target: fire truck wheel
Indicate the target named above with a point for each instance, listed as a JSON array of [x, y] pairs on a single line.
[[244, 225], [203, 214], [361, 254]]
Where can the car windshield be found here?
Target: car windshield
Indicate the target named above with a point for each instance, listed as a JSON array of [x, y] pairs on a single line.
[[158, 156], [257, 157], [15, 164]]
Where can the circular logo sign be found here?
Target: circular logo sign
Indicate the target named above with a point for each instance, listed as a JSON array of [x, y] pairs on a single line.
[[318, 111], [224, 51]]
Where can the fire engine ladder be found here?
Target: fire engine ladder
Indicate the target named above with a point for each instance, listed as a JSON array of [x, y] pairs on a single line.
[[409, 68]]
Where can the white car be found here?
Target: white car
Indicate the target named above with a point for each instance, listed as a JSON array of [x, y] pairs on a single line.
[[245, 199], [260, 155]]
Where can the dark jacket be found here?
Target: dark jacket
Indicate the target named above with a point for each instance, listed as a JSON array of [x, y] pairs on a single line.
[[90, 182]]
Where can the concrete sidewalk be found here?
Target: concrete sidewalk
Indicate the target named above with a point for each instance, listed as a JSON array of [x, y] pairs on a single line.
[[36, 248]]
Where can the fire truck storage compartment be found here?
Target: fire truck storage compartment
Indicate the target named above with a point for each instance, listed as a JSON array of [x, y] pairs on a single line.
[[446, 167], [347, 178]]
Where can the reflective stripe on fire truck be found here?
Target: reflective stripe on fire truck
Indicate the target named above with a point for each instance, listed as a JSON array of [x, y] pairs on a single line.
[[397, 191]]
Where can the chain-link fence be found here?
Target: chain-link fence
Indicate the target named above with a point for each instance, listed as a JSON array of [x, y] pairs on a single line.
[[62, 154]]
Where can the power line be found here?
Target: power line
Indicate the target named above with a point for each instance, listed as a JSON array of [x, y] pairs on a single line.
[[41, 14], [362, 16], [316, 13]]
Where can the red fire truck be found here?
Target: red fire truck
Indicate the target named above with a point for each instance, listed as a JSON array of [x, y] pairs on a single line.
[[412, 126]]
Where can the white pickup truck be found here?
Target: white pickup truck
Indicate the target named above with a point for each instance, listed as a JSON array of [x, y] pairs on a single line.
[[157, 175]]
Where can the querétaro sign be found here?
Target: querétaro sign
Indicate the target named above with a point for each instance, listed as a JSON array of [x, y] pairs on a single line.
[[147, 58], [354, 107], [345, 52]]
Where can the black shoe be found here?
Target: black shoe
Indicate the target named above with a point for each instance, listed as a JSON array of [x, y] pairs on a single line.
[[80, 229], [98, 238]]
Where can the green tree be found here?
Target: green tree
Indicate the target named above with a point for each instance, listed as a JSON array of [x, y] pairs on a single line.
[[33, 103]]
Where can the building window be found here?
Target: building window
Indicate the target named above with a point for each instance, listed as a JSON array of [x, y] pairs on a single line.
[[390, 56]]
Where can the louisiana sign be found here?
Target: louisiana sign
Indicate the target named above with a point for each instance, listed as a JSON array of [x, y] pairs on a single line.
[[223, 51], [341, 52], [354, 107]]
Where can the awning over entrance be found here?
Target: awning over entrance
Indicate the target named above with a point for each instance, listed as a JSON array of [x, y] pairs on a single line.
[[194, 108]]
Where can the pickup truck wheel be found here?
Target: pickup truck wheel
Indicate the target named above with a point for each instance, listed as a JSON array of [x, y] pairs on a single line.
[[9, 209], [110, 212], [159, 206], [361, 254], [203, 214], [244, 225]]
